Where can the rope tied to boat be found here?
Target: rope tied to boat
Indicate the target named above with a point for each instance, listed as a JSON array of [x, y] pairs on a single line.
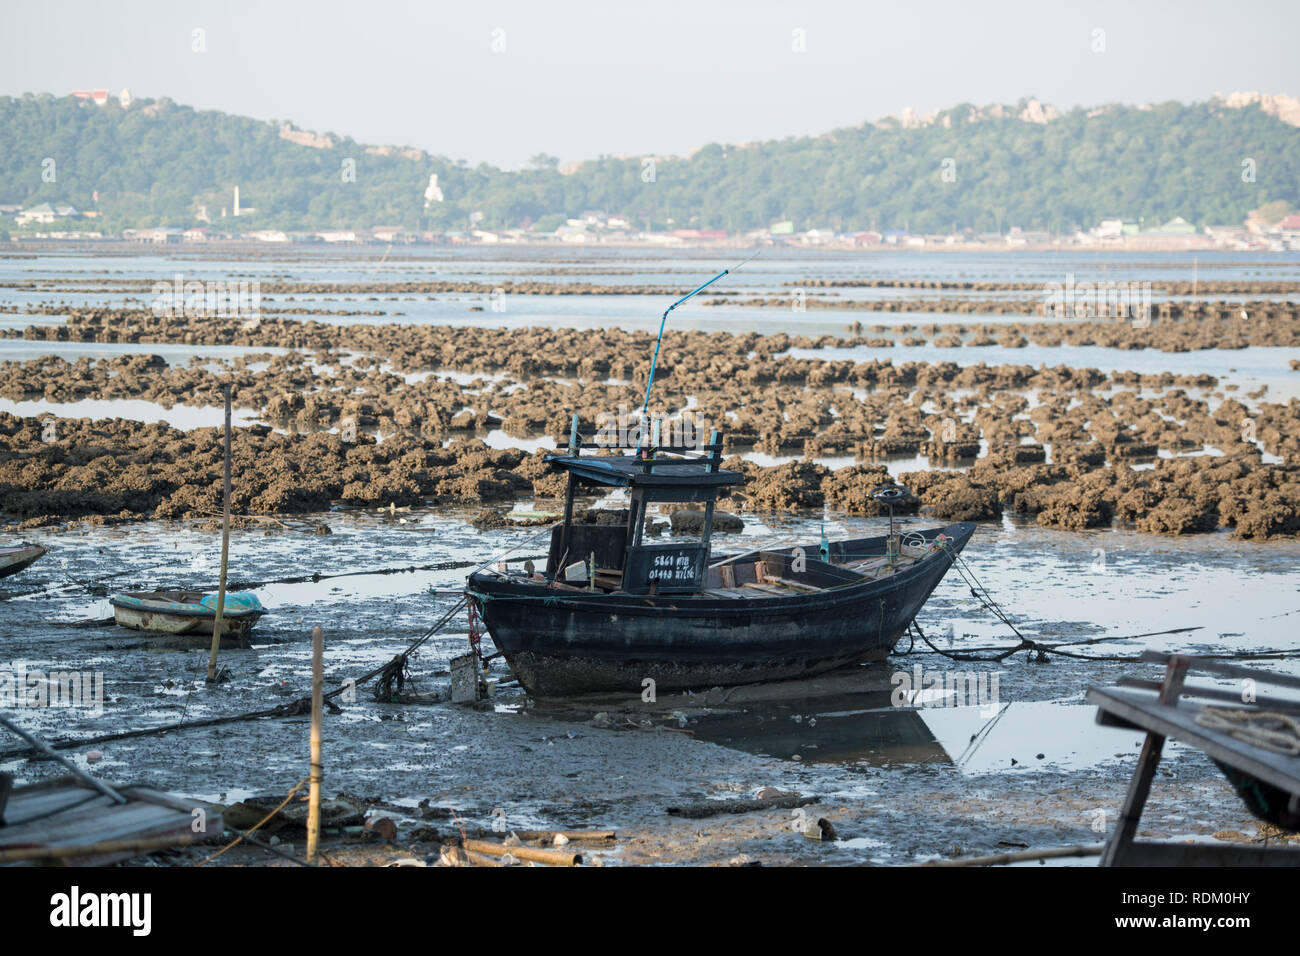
[[476, 627], [1253, 727], [392, 679]]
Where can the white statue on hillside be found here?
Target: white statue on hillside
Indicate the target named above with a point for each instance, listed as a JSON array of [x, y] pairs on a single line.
[[433, 194]]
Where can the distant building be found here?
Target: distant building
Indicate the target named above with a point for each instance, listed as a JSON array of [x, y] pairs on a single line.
[[700, 233], [1109, 229], [45, 213], [1178, 226], [785, 228], [160, 236], [572, 232]]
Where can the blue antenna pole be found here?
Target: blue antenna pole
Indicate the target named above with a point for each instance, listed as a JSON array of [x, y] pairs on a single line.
[[654, 361]]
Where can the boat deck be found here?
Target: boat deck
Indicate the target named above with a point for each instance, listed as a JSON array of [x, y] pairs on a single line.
[[768, 584], [735, 580]]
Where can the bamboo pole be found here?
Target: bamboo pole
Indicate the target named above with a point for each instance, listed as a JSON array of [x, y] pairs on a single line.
[[481, 859], [553, 857], [225, 550], [313, 793]]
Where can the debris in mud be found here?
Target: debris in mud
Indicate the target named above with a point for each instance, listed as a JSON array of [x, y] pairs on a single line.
[[712, 808], [382, 828], [251, 810]]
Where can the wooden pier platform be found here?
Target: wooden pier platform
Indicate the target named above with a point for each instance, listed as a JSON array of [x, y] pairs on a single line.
[[1234, 727], [67, 822]]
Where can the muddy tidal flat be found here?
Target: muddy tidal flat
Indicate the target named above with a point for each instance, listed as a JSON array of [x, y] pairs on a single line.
[[1136, 485]]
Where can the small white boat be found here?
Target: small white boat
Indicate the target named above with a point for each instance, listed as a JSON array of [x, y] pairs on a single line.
[[185, 612], [15, 557]]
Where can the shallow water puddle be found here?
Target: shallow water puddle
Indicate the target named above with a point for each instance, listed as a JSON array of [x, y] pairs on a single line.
[[184, 417], [1026, 736]]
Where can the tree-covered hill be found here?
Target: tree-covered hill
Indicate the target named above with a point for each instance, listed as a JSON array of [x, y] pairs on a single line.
[[157, 163]]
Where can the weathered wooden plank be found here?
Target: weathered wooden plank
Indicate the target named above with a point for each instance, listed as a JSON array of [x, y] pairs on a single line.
[[797, 585], [1140, 786], [1179, 722], [771, 591], [868, 569], [1264, 702], [65, 813], [1227, 670], [28, 806], [1161, 711], [96, 824]]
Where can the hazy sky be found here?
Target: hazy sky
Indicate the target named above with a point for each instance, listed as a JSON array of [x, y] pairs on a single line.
[[499, 82]]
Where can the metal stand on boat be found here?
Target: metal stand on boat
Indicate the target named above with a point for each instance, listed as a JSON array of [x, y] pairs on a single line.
[[889, 495]]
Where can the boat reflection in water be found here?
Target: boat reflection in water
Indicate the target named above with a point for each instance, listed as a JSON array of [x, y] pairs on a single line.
[[852, 729]]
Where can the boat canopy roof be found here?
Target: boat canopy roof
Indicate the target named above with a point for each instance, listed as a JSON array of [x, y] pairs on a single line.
[[630, 471]]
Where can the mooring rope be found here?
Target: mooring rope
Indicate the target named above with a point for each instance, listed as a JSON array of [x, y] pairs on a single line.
[[247, 834], [1246, 725]]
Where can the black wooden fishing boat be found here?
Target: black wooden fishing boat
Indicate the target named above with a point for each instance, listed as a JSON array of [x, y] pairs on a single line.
[[612, 611]]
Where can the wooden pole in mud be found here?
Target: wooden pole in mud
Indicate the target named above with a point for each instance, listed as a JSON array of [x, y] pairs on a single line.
[[316, 774], [225, 550]]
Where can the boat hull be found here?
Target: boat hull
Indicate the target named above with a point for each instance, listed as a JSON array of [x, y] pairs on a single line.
[[163, 623], [184, 612], [13, 560], [559, 644]]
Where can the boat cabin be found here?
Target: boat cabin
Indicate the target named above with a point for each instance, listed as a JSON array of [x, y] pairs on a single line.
[[616, 557]]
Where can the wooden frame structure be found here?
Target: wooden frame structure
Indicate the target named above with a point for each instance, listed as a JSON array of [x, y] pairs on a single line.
[[1168, 709], [650, 476]]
